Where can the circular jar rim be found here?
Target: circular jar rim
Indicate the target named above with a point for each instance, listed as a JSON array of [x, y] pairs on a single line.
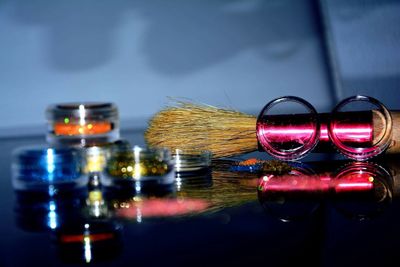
[[93, 110], [299, 152]]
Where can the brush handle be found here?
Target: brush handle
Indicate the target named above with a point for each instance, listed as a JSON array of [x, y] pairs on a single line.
[[365, 121], [374, 121], [394, 147], [378, 124]]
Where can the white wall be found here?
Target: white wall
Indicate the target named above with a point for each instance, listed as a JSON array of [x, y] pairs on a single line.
[[239, 54], [365, 38]]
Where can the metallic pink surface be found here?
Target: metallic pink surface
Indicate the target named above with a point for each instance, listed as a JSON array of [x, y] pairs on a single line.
[[359, 181], [290, 183], [292, 132], [350, 132], [316, 183], [353, 147], [284, 136], [162, 208]]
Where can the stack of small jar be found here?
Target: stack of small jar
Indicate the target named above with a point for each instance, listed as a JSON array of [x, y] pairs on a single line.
[[75, 184], [83, 148]]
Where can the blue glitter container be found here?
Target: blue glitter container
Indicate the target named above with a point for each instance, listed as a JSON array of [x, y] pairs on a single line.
[[48, 169]]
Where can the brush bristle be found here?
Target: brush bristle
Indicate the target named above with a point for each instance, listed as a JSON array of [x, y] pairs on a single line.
[[189, 126]]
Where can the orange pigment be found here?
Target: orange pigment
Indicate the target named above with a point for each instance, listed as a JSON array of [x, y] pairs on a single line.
[[81, 237], [249, 162], [61, 128]]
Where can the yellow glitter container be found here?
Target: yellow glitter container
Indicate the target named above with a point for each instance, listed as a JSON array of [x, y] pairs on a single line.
[[139, 169]]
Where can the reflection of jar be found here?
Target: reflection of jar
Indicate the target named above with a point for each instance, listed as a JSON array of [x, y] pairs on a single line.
[[362, 190], [49, 185], [95, 158], [192, 169], [96, 206], [185, 181], [358, 190], [89, 241], [293, 196], [38, 211], [82, 124], [47, 169]]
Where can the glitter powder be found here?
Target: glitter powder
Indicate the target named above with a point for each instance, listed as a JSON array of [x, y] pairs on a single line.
[[82, 124]]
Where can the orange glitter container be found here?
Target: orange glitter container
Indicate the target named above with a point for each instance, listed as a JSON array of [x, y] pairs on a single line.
[[82, 124]]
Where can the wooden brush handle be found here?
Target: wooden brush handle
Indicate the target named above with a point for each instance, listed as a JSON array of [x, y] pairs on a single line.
[[378, 125], [378, 122]]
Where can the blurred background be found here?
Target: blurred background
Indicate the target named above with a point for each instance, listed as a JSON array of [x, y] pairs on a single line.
[[230, 53]]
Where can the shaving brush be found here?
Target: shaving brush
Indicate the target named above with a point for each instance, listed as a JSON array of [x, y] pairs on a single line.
[[227, 132], [188, 126]]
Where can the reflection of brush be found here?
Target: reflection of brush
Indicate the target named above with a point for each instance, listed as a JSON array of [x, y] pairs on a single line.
[[232, 188], [229, 189], [227, 132]]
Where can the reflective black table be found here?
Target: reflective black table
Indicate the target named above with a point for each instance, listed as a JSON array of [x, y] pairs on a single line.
[[247, 225]]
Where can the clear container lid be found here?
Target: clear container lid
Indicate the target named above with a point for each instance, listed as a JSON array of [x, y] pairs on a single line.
[[366, 141], [82, 124], [288, 128], [191, 160], [84, 110]]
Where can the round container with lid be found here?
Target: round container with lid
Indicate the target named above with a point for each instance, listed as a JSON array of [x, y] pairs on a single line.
[[141, 169], [288, 128], [82, 124], [349, 133], [188, 161], [38, 168]]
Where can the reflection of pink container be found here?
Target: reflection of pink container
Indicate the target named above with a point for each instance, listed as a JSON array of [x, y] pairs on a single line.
[[360, 176], [290, 183], [358, 189], [355, 177]]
